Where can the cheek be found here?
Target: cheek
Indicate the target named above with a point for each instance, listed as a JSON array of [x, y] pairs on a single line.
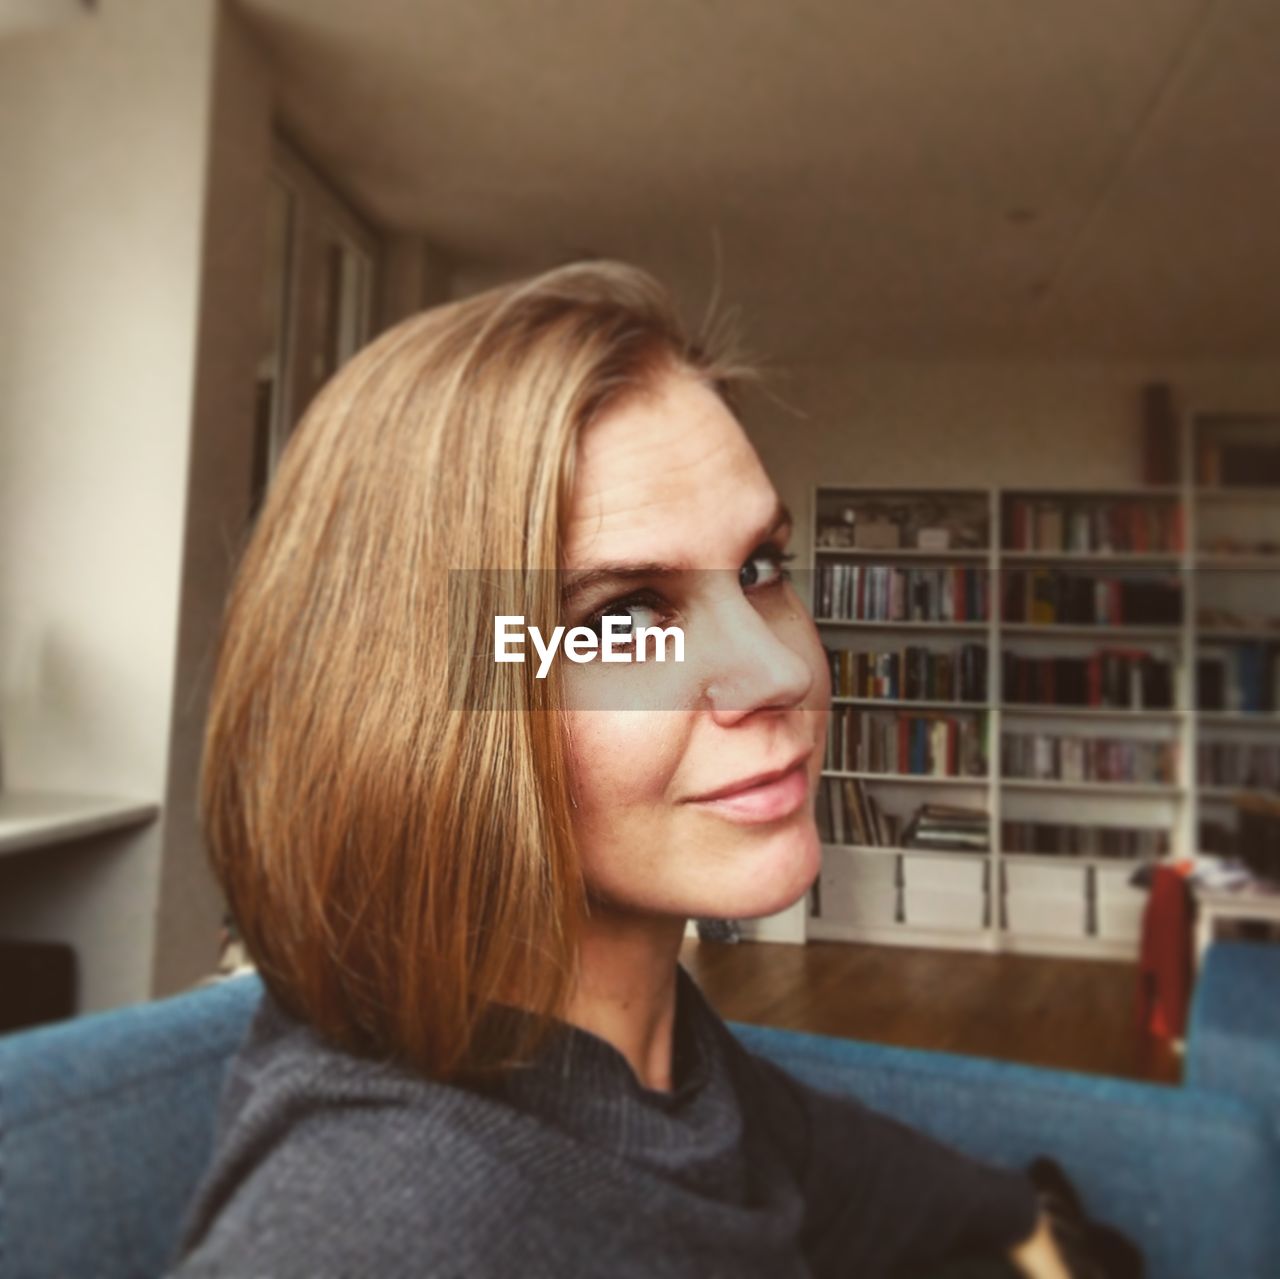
[[620, 760]]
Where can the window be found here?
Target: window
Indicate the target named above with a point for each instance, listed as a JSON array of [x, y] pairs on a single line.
[[316, 304]]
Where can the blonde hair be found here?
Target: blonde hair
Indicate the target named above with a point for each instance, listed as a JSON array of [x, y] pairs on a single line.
[[398, 863]]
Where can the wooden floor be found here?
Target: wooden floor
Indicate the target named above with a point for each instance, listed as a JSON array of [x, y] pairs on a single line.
[[1071, 1013]]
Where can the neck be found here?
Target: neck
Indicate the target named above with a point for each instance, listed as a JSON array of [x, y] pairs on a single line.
[[626, 992]]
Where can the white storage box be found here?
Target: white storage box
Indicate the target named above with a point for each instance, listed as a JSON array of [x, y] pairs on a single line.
[[948, 872], [1118, 906], [942, 908], [870, 908], [1113, 883], [1046, 915], [1120, 920], [868, 870], [858, 888], [1039, 879]]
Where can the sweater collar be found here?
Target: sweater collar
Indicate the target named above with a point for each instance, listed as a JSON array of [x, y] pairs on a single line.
[[583, 1086], [578, 1062]]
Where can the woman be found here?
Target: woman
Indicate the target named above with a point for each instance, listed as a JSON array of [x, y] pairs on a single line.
[[465, 880]]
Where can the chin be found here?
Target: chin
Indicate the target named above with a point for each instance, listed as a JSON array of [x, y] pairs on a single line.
[[775, 875]]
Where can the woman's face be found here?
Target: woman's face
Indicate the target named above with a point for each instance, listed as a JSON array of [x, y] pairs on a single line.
[[671, 480]]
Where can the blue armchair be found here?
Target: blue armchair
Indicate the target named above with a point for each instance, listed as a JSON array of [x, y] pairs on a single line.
[[106, 1123]]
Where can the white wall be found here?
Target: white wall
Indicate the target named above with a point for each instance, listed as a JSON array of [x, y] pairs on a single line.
[[217, 482], [104, 151]]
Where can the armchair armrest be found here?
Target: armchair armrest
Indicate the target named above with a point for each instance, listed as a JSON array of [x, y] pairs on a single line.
[[1233, 1045], [106, 1123]]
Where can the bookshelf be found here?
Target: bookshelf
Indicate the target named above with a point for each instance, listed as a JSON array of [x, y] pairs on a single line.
[[1114, 651], [1235, 501]]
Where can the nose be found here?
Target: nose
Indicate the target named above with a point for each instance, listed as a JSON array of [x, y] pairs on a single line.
[[751, 667]]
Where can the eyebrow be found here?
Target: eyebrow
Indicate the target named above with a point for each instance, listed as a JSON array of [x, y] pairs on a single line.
[[582, 581]]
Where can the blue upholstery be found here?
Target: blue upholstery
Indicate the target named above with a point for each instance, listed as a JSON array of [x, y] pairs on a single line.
[[106, 1123], [1233, 1045], [1192, 1178]]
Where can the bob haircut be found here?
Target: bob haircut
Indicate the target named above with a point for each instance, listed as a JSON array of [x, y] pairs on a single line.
[[396, 863]]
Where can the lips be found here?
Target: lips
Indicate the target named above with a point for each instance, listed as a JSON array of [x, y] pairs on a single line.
[[763, 797]]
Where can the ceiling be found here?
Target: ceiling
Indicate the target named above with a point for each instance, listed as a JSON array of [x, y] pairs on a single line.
[[926, 178]]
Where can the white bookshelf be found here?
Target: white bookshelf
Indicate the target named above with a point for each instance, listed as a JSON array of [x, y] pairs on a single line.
[[1235, 592], [1037, 902]]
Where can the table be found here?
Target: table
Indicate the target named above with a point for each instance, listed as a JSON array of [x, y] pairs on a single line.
[[1257, 901]]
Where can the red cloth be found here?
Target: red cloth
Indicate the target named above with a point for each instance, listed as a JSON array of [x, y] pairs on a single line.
[[1165, 963]]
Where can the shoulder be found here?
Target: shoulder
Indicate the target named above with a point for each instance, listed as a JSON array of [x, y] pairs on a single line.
[[327, 1164], [291, 1221], [356, 1193]]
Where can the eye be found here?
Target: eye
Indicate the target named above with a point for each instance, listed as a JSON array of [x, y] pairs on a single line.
[[644, 608], [766, 566]]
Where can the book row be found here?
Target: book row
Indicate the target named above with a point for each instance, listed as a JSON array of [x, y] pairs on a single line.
[[1248, 765], [1049, 597], [884, 593], [911, 673], [1083, 841], [1242, 678], [847, 813], [945, 745], [1093, 525], [1238, 464], [910, 742], [1129, 679], [1037, 596], [1059, 757], [948, 827], [1221, 838]]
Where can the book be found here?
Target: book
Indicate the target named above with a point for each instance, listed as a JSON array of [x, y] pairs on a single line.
[[1080, 758], [887, 593], [1052, 596], [947, 827], [1084, 840], [1116, 678], [1084, 525], [916, 743], [848, 814]]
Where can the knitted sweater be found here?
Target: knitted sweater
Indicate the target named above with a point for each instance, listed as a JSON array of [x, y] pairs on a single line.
[[327, 1164]]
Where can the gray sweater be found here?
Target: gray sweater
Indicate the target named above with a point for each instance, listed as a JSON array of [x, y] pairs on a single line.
[[327, 1164]]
